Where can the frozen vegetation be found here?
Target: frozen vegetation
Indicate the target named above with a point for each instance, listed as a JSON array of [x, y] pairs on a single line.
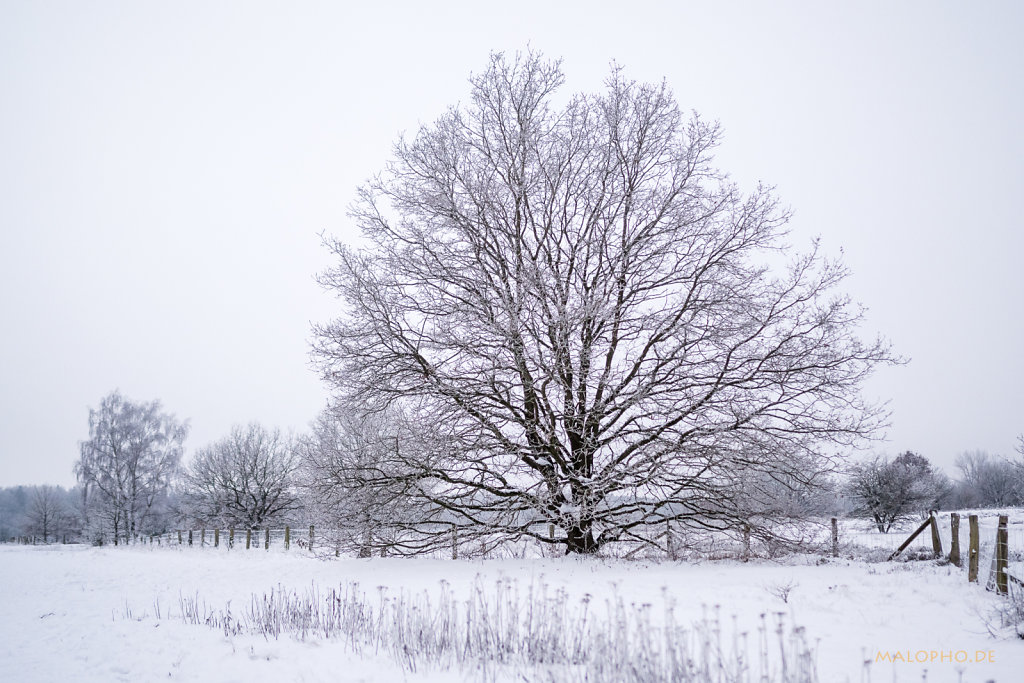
[[75, 613]]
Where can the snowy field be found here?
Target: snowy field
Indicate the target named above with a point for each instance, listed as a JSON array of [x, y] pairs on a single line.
[[74, 613]]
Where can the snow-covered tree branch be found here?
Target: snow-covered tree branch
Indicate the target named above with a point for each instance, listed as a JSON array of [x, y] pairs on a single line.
[[246, 479], [589, 318]]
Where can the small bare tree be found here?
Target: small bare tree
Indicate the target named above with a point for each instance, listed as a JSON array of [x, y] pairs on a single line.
[[353, 482], [47, 514], [246, 479], [579, 307], [889, 491]]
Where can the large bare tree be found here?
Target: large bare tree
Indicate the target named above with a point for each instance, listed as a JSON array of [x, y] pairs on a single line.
[[127, 465], [598, 328], [246, 479]]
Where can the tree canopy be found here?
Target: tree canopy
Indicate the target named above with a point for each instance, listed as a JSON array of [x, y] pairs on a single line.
[[581, 312], [127, 464], [245, 479], [889, 491]]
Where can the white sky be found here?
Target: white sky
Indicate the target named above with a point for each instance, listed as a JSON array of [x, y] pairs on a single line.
[[166, 169]]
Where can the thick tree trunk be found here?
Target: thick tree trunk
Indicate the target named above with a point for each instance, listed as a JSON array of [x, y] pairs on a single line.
[[366, 547], [580, 539]]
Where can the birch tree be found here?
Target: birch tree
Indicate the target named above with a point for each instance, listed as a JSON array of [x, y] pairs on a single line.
[[127, 465], [599, 330]]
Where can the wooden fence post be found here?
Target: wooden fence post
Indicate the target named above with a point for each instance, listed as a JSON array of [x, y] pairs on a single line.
[[189, 538], [216, 537], [910, 539], [310, 538], [231, 538], [202, 539], [266, 542], [179, 536], [287, 537], [972, 550], [1002, 555], [835, 537], [248, 538], [936, 539], [954, 544], [746, 542], [455, 542]]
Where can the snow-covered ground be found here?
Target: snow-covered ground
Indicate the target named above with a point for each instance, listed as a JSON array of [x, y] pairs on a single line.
[[73, 613]]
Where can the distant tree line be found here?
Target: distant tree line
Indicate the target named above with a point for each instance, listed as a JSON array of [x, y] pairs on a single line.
[[349, 474], [133, 481], [49, 513]]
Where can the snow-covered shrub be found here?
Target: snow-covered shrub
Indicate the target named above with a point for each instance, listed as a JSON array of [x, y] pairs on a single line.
[[1008, 617]]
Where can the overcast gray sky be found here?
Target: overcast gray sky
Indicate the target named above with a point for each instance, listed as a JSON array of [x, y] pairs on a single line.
[[166, 169]]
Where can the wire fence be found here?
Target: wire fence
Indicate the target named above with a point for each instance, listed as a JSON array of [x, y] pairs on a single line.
[[286, 539], [852, 537], [863, 533]]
